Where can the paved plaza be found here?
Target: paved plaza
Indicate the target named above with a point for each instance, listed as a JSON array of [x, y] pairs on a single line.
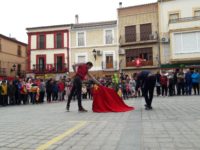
[[173, 124]]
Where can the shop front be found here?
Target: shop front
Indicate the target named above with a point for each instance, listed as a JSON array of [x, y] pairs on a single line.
[[181, 65]]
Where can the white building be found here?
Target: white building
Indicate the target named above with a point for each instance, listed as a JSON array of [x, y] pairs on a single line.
[[48, 50], [96, 42], [179, 27]]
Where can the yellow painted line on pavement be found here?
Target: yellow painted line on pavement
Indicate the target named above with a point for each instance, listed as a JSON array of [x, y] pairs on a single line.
[[60, 137]]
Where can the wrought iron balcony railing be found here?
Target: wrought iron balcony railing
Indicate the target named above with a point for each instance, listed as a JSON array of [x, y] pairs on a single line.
[[186, 19], [109, 66], [3, 71], [143, 63], [138, 38], [50, 68]]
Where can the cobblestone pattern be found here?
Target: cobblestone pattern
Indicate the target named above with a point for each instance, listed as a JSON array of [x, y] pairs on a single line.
[[173, 124]]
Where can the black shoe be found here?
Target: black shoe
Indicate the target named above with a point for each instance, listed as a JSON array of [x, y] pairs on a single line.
[[82, 110], [147, 108], [150, 107], [67, 108]]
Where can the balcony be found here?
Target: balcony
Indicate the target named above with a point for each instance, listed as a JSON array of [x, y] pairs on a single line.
[[21, 73], [184, 23], [138, 39], [109, 66], [49, 68], [186, 19], [143, 63], [2, 71]]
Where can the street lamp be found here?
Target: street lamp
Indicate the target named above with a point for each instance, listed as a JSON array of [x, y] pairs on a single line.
[[13, 68], [34, 68], [94, 54]]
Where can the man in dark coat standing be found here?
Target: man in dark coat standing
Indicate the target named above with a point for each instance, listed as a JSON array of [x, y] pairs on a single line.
[[147, 82]]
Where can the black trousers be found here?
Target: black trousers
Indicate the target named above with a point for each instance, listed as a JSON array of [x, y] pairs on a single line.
[[49, 96], [41, 98], [164, 90], [158, 90], [149, 89], [196, 88], [76, 88], [180, 88]]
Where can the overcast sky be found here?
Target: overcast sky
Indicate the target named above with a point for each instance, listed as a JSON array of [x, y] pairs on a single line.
[[17, 15]]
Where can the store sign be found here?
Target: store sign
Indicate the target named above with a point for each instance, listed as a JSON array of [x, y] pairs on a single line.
[[48, 76]]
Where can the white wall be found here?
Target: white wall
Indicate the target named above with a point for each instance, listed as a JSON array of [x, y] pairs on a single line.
[[185, 7], [65, 39], [49, 55], [50, 41], [33, 41]]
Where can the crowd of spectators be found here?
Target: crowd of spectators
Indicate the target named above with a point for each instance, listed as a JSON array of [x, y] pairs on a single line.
[[35, 91]]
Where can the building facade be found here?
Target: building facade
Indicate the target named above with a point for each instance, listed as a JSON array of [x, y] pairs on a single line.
[[48, 51], [96, 42], [179, 25], [138, 37], [13, 57]]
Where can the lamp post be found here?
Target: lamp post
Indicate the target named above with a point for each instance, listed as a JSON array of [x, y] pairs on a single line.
[[13, 68], [34, 68], [94, 54]]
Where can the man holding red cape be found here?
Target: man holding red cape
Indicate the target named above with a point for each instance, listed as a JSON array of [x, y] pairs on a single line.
[[104, 99], [81, 70]]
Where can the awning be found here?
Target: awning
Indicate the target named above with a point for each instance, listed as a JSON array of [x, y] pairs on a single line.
[[180, 65]]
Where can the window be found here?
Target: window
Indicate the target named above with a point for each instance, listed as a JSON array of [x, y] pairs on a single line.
[[41, 63], [59, 63], [108, 36], [81, 59], [173, 17], [109, 61], [19, 69], [186, 42], [59, 40], [19, 52], [41, 41], [197, 13], [145, 31], [130, 33], [81, 38]]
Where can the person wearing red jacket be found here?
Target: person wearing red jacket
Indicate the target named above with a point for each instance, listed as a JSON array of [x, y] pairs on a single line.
[[163, 83], [61, 88], [81, 70]]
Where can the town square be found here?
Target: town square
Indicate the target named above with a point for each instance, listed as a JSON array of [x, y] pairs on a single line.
[[100, 75]]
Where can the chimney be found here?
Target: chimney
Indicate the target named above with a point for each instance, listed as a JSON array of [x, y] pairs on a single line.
[[76, 19], [120, 4]]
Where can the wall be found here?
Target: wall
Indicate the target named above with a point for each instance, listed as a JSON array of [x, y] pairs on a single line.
[[9, 56]]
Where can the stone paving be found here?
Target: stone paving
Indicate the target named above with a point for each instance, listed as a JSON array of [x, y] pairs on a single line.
[[173, 124]]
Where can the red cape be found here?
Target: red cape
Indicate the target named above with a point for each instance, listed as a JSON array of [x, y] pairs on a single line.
[[107, 100]]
